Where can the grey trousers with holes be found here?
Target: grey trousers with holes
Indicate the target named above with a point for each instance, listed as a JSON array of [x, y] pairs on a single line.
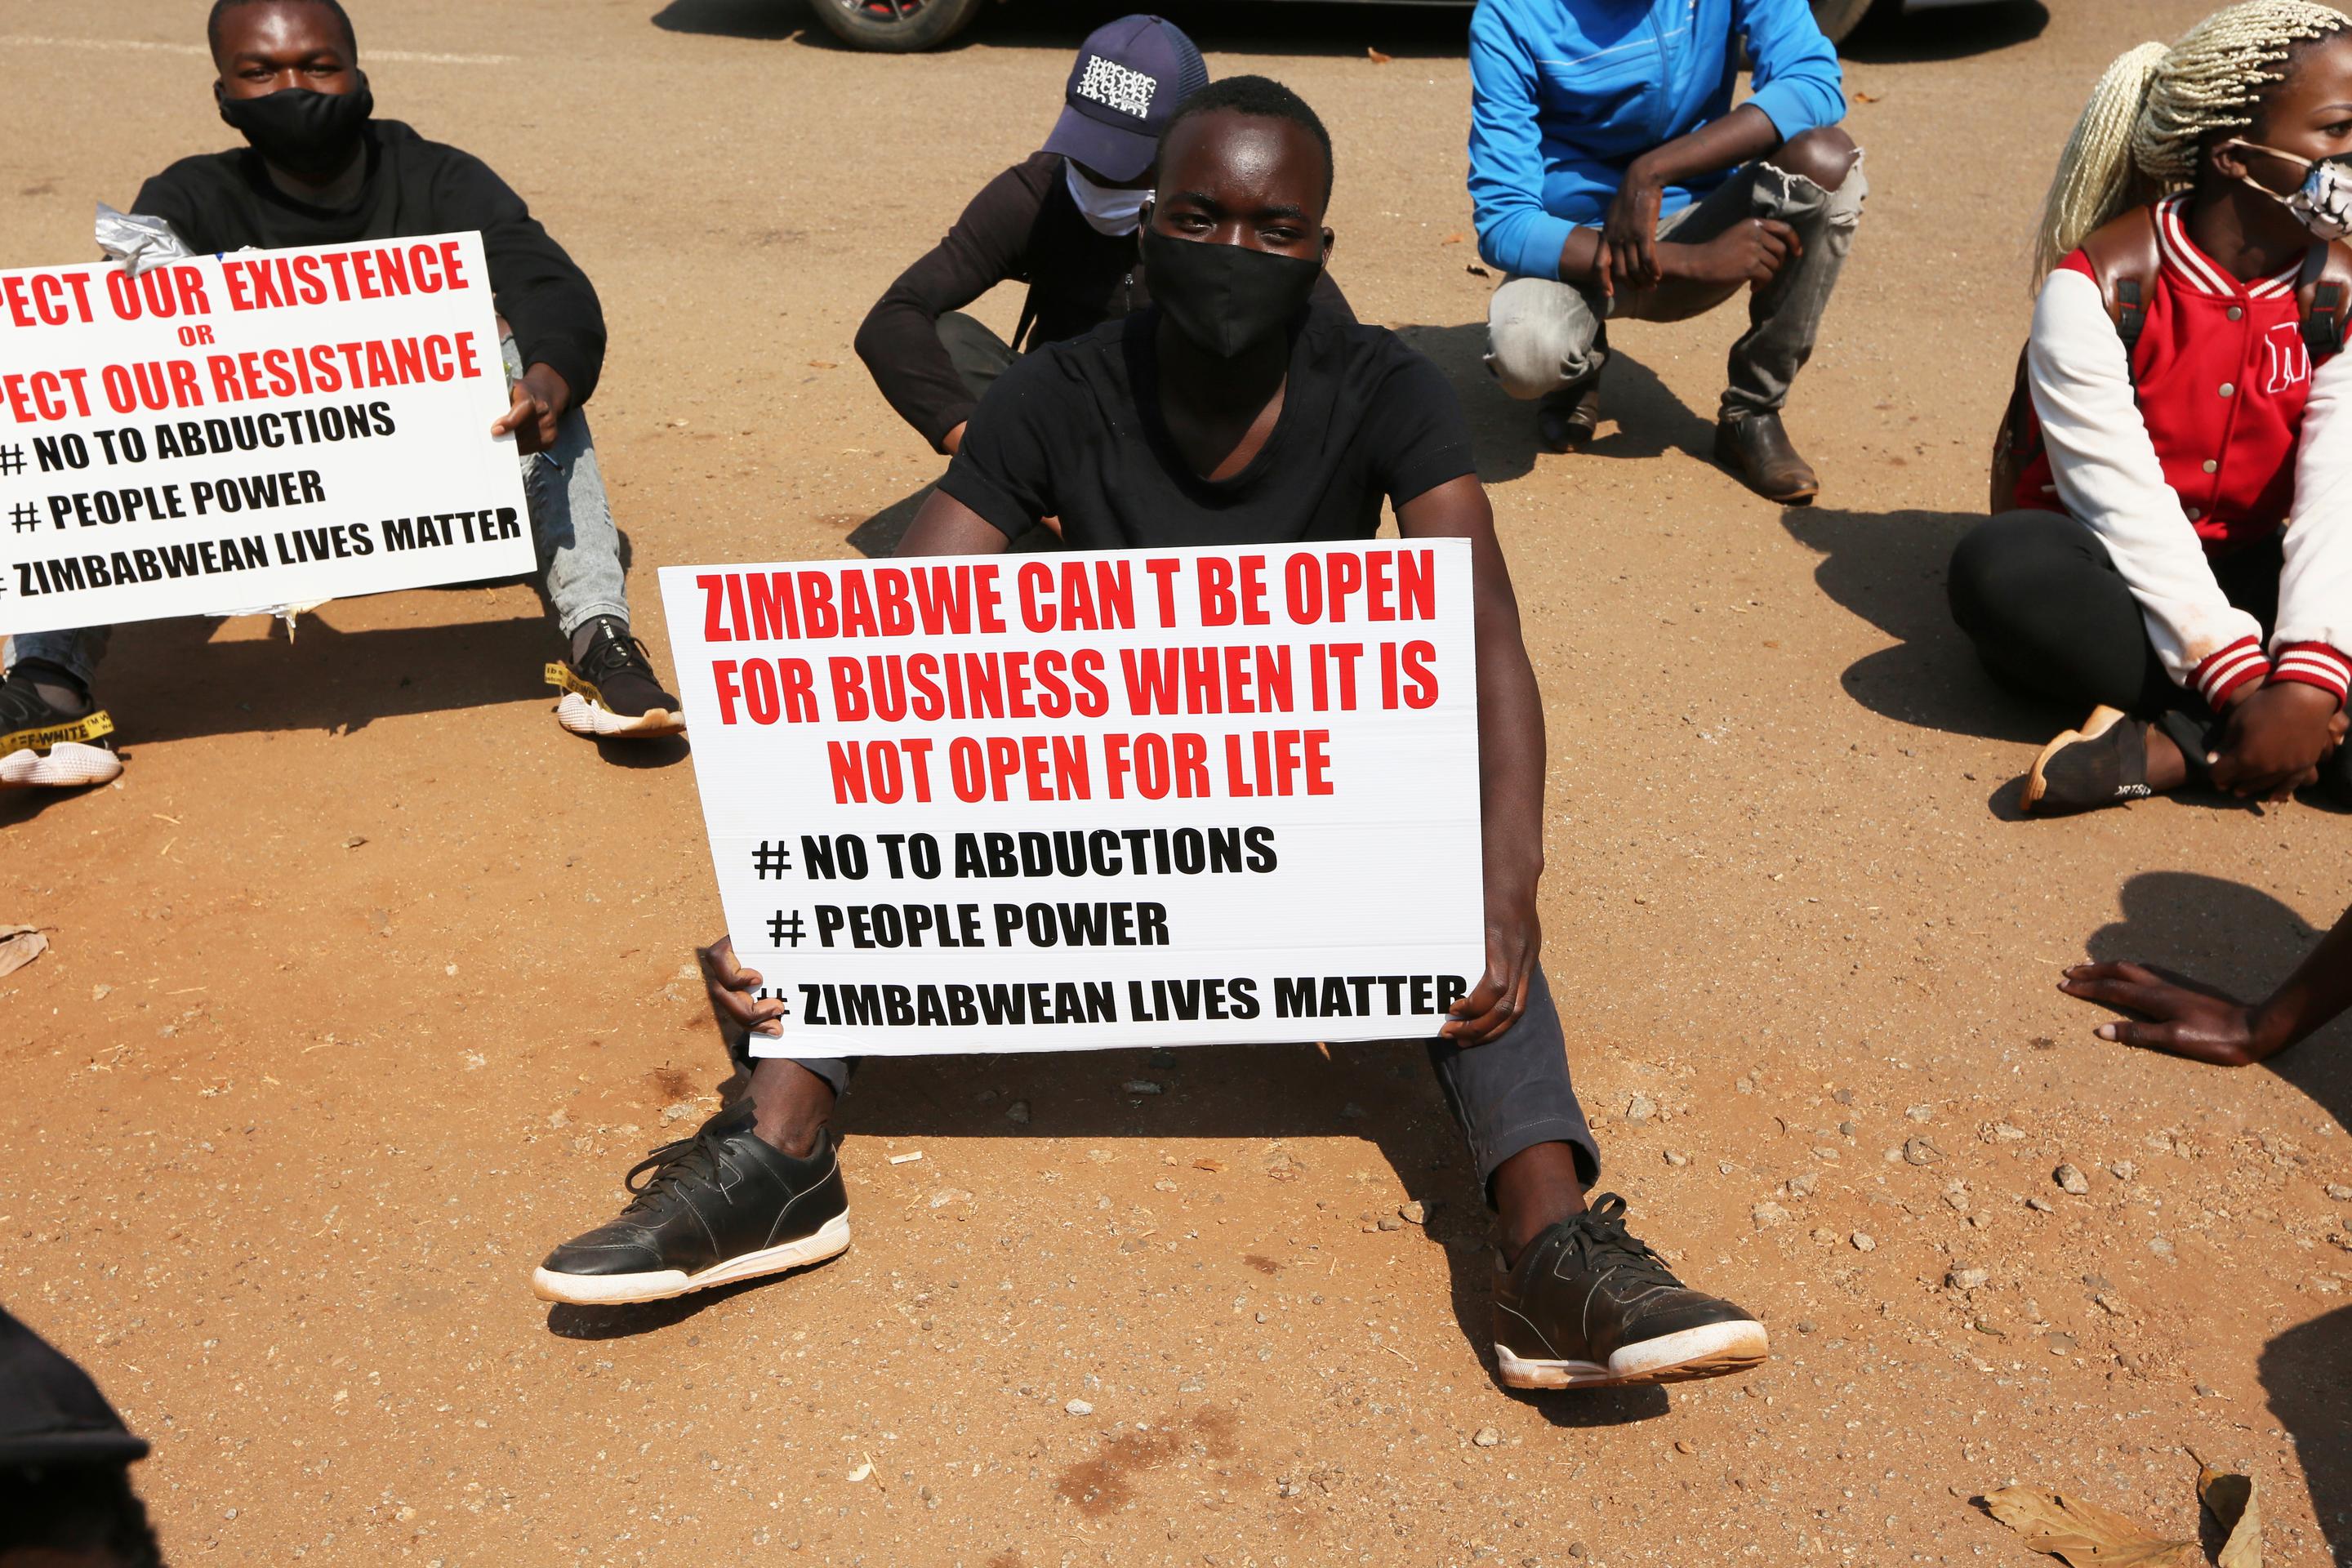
[[1544, 336]]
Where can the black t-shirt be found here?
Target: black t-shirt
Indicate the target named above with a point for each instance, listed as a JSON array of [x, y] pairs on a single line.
[[1074, 431]]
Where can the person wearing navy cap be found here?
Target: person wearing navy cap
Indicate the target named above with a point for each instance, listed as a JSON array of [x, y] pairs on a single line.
[[64, 1466], [1063, 221]]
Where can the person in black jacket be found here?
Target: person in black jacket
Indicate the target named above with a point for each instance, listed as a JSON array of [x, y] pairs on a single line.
[[1062, 221], [65, 1497], [321, 170]]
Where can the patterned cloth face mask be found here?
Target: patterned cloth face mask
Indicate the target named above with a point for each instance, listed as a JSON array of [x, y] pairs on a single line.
[[2322, 203]]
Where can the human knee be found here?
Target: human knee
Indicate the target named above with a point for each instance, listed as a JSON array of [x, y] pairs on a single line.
[[1994, 559], [1825, 155], [1531, 354]]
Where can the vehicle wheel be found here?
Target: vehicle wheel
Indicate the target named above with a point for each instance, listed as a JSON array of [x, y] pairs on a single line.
[[1836, 18], [898, 26]]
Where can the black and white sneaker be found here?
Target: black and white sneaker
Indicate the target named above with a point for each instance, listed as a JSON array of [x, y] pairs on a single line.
[[715, 1208], [2104, 762], [610, 692], [44, 746], [1588, 1306]]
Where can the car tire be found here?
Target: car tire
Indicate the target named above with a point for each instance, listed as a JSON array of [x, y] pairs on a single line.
[[896, 26], [1836, 18]]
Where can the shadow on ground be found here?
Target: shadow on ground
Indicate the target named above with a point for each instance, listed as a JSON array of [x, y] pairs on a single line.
[[1889, 569], [1385, 1093], [2305, 1372], [1639, 417], [1405, 31], [168, 680]]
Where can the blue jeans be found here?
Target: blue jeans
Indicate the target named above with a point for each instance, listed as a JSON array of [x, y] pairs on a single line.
[[570, 522]]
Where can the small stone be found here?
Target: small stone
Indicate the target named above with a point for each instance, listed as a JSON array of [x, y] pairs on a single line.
[[2040, 1206], [2005, 1133], [1802, 1183], [2339, 1191], [1163, 1186], [2123, 1170], [2160, 1247], [2061, 1344], [1863, 1241], [1825, 1236], [1806, 1325], [1921, 1112], [1724, 1167], [1825, 1152], [681, 1111], [1956, 1196], [1287, 1488], [1682, 1445], [100, 993], [1414, 1212], [1845, 1130], [1919, 1152], [1968, 1278], [1017, 1112], [1676, 1159], [1486, 1438], [1142, 1086], [2204, 1391], [947, 1196], [1078, 1407], [1641, 1107], [2111, 1305], [1390, 1222], [1576, 1548], [2071, 1180], [1843, 1097], [1766, 1215]]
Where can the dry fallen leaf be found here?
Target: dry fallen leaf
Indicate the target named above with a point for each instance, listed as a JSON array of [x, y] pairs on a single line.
[[19, 946], [2083, 1534], [824, 364], [1207, 1165], [1867, 96], [2234, 1503], [1454, 239], [1377, 58]]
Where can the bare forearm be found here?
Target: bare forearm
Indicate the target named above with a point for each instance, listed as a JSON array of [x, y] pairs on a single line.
[[2313, 994], [1510, 754], [1742, 136]]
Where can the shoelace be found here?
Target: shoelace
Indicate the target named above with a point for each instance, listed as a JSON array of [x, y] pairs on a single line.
[[1600, 1241], [612, 653], [672, 1164]]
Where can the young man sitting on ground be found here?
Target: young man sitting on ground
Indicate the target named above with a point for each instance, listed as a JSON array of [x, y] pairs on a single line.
[[1231, 413], [1613, 179], [321, 170]]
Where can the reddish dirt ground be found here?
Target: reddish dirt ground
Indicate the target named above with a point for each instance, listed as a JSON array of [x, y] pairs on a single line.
[[369, 983]]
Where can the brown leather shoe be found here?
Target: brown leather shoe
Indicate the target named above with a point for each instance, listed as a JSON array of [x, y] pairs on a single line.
[[1566, 419], [1757, 448]]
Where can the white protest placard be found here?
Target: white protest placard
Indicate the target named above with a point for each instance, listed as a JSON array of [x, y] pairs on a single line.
[[266, 427], [1062, 802]]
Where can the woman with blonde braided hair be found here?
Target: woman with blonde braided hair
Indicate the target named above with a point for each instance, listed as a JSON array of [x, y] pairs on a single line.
[[2172, 546]]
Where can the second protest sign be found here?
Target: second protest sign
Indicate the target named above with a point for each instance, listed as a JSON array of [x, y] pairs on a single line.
[[1060, 801]]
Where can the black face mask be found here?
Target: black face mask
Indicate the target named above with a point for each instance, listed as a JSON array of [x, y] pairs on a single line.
[[1226, 298], [311, 135]]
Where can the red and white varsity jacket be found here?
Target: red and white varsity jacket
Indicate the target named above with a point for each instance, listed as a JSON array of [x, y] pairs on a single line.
[[2220, 432]]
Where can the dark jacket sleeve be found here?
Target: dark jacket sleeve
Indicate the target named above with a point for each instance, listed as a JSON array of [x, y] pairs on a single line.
[[540, 291], [899, 341]]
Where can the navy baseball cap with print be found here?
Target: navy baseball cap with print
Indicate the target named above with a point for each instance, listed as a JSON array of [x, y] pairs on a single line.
[[1131, 77], [50, 1412]]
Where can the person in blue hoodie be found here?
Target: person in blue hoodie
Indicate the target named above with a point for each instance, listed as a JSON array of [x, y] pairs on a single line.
[[1612, 178]]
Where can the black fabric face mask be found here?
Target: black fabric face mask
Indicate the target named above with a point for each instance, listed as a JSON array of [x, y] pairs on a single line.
[[311, 135], [1226, 298]]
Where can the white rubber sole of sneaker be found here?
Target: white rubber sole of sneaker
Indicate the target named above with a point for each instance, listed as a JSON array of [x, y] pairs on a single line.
[[1714, 1350], [617, 1289], [69, 765], [582, 716], [2037, 782]]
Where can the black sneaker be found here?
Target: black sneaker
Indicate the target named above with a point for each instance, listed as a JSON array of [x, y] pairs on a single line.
[[1566, 419], [611, 691], [43, 746], [1588, 1306], [2105, 763], [718, 1208]]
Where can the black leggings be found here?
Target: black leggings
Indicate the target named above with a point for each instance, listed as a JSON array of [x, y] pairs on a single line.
[[2052, 617]]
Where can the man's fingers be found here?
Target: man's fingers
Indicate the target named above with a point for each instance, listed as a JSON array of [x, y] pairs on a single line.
[[2139, 973], [2148, 1037], [2140, 996]]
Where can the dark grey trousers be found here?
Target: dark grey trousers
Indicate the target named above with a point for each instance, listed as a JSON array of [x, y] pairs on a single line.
[[1510, 1094]]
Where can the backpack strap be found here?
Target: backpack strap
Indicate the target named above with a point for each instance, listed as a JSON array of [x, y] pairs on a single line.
[[2323, 290], [2124, 262]]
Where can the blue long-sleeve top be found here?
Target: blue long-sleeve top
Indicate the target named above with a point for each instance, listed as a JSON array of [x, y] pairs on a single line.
[[1566, 93]]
